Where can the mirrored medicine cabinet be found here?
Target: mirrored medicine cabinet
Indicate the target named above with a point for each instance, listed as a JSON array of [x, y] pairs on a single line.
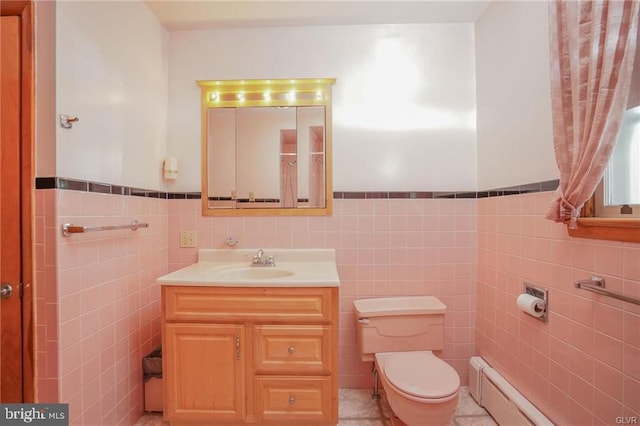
[[266, 147]]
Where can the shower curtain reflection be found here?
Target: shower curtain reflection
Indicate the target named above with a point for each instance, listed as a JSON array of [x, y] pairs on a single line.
[[316, 166], [288, 181], [288, 168]]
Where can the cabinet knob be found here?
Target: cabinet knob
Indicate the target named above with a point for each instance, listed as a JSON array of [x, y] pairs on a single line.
[[292, 349], [292, 400]]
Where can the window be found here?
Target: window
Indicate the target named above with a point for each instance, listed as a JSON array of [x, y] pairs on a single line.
[[614, 210], [618, 195]]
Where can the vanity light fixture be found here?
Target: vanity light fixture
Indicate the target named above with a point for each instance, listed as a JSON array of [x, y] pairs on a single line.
[[247, 93]]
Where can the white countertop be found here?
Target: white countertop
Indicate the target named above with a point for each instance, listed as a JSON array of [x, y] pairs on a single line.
[[231, 268]]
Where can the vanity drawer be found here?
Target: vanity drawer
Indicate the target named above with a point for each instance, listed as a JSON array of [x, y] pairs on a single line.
[[294, 349], [288, 399], [227, 304]]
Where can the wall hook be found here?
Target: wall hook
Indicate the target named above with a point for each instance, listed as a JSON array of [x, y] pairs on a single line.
[[66, 121], [231, 242]]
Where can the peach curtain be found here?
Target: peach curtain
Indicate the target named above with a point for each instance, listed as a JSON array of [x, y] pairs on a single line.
[[592, 50]]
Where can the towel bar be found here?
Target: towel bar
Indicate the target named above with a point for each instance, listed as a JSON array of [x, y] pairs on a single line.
[[69, 228], [596, 285]]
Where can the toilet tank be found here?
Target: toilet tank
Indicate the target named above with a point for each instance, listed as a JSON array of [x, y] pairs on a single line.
[[399, 324]]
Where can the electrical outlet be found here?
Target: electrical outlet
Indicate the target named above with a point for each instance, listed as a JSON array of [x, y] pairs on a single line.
[[187, 239]]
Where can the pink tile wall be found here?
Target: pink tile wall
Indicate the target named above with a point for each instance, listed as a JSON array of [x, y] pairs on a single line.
[[583, 367], [107, 313], [98, 305], [46, 294], [384, 248]]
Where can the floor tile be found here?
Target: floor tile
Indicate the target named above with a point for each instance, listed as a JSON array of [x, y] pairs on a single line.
[[474, 421], [361, 422], [151, 419], [357, 403], [467, 406], [357, 408]]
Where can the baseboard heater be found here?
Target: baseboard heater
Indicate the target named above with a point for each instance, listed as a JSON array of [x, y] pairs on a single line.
[[506, 405]]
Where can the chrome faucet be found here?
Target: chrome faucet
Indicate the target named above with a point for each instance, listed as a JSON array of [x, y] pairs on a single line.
[[259, 260]]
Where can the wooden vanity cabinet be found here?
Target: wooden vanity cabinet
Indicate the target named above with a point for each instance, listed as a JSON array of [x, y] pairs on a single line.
[[234, 355]]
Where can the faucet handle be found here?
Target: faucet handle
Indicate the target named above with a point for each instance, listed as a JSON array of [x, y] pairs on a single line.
[[271, 261]]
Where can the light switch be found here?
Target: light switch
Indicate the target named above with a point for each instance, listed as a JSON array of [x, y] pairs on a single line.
[[188, 239]]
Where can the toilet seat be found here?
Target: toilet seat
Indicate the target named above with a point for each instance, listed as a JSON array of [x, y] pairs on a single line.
[[421, 374]]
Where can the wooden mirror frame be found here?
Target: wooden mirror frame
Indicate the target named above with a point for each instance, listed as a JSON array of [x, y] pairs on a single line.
[[262, 93]]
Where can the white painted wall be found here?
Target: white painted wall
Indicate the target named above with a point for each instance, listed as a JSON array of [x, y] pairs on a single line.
[[515, 134], [403, 103], [111, 72], [45, 94]]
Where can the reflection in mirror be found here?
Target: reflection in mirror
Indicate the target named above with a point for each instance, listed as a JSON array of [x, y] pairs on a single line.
[[266, 147], [266, 157]]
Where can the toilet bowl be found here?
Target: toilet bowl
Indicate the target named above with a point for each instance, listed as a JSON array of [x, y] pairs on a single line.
[[399, 335], [421, 388]]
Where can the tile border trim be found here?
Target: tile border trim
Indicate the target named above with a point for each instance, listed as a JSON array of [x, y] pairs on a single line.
[[105, 188], [101, 188], [549, 185]]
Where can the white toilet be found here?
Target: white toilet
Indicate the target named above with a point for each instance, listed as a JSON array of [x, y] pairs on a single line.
[[399, 333]]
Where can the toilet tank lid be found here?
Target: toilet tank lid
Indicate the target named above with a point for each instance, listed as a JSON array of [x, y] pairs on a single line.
[[405, 305]]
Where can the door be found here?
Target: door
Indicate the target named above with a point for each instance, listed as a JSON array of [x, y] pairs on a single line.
[[10, 212], [205, 379]]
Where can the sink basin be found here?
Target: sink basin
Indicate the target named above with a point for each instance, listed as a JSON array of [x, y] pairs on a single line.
[[232, 268], [252, 273]]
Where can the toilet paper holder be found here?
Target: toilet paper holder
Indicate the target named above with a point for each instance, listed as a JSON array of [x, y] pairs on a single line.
[[540, 293]]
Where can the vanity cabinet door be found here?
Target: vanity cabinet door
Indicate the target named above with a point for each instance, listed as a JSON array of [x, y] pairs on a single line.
[[204, 372]]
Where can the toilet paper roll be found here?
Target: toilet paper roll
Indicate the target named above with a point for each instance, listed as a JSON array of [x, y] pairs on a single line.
[[532, 305]]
